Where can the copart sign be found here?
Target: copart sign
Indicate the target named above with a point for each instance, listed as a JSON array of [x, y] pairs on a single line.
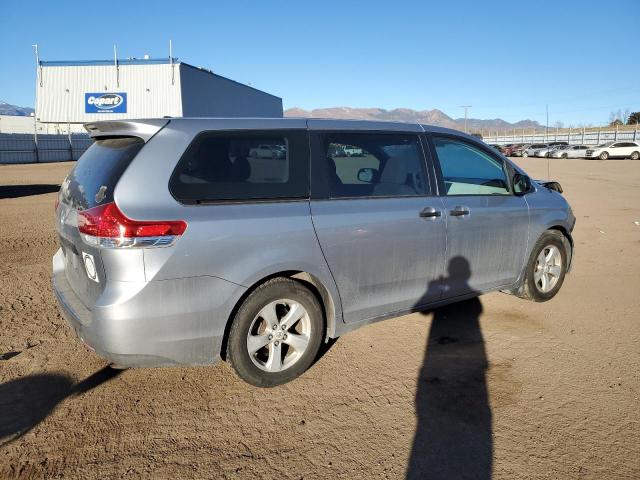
[[105, 102]]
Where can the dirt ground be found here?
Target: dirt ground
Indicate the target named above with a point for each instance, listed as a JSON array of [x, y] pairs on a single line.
[[490, 388]]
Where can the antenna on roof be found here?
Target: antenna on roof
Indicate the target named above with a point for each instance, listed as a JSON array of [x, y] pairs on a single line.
[[171, 60], [115, 62]]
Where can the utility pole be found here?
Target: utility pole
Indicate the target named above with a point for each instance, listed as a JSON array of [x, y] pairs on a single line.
[[466, 109], [35, 106], [546, 140], [546, 131]]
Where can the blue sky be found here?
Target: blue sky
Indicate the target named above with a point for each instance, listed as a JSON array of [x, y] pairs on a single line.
[[505, 58]]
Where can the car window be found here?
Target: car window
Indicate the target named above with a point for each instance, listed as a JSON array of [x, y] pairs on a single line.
[[374, 165], [467, 170], [243, 166], [94, 178]]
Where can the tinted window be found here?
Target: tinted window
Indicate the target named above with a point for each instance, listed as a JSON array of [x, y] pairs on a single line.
[[243, 166], [97, 172], [467, 170], [374, 165]]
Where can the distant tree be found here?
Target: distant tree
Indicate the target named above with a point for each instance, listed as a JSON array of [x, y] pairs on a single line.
[[616, 122], [634, 118]]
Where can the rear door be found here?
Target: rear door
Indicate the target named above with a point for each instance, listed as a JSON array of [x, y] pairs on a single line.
[[379, 225], [91, 183], [487, 226]]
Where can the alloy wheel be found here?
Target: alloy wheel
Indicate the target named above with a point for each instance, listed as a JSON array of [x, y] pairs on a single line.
[[279, 335], [548, 268]]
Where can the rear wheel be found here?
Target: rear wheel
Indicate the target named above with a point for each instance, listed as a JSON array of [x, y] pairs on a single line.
[[564, 155], [276, 334], [603, 156], [635, 156], [546, 268]]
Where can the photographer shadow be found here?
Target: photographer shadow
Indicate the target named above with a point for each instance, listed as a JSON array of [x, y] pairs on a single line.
[[453, 437], [27, 401]]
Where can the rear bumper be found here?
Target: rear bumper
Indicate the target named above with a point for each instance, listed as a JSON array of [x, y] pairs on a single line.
[[149, 324]]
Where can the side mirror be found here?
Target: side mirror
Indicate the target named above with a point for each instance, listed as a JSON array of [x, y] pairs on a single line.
[[521, 184], [366, 174], [553, 186]]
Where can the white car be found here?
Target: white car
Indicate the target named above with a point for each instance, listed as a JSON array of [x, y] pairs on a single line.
[[267, 151], [531, 150], [570, 151], [351, 151], [615, 150]]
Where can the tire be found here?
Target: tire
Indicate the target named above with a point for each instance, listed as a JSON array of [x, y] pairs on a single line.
[[564, 155], [533, 287], [603, 156], [525, 154], [267, 365], [634, 156]]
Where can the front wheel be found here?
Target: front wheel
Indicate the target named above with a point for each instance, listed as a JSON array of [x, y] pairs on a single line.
[[635, 156], [276, 334], [603, 156], [546, 268], [564, 155]]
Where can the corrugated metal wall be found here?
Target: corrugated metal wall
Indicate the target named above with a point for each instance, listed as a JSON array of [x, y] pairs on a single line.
[[21, 148], [150, 93], [205, 94]]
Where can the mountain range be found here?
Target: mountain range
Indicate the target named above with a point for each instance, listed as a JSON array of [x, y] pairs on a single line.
[[431, 117], [8, 109]]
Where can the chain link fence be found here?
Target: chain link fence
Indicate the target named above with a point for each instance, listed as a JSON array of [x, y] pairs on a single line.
[[583, 136]]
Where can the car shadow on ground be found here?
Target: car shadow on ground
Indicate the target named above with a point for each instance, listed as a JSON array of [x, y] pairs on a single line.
[[16, 191], [26, 401], [453, 437]]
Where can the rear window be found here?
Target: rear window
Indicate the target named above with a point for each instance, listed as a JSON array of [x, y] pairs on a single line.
[[97, 172], [243, 166]]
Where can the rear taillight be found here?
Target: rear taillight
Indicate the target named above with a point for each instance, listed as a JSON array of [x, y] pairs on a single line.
[[106, 226]]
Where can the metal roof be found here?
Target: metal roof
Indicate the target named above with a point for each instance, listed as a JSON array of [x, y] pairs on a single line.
[[121, 61]]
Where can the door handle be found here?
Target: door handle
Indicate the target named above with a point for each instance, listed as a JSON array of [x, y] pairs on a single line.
[[430, 212], [459, 211]]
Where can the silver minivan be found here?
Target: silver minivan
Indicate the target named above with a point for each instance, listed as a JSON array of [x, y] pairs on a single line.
[[179, 245]]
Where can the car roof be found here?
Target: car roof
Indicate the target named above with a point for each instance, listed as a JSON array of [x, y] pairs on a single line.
[[113, 127]]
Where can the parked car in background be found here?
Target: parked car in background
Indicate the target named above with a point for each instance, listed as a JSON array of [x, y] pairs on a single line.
[[518, 151], [531, 149], [219, 257], [267, 151], [543, 152], [496, 147], [570, 151], [621, 149], [509, 149]]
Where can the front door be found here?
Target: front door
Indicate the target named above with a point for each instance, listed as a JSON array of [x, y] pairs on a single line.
[[379, 227], [487, 226]]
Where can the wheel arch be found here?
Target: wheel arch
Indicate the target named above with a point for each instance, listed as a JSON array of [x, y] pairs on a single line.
[[313, 283], [568, 238]]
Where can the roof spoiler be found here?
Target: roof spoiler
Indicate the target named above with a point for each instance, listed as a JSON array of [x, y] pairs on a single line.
[[144, 129]]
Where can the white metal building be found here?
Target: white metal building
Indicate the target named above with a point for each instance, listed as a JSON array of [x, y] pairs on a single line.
[[76, 92]]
